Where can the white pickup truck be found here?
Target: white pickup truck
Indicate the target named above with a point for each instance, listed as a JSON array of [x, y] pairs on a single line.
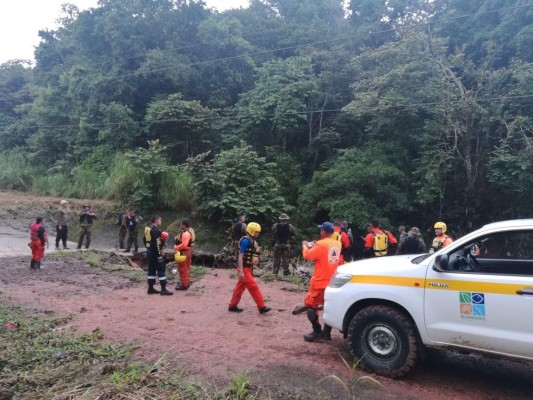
[[475, 295]]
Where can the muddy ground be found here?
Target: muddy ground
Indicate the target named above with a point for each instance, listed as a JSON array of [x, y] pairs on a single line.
[[195, 329]]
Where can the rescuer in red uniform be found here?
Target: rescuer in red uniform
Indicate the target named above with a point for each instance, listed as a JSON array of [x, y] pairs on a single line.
[[38, 240]]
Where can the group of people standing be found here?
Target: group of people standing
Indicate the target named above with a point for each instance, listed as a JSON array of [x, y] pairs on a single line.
[[328, 252], [39, 236], [155, 240]]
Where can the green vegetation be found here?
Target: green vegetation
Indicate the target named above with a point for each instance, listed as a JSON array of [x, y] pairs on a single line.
[[353, 383], [410, 112], [39, 358]]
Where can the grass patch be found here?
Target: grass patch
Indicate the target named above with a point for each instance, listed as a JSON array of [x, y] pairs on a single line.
[[106, 261], [40, 359]]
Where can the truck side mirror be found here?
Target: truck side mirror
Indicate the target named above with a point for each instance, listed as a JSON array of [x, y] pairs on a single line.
[[441, 262]]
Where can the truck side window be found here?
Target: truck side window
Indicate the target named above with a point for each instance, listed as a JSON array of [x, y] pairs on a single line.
[[504, 253]]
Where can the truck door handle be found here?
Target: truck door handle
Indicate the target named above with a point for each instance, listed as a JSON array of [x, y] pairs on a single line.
[[526, 291]]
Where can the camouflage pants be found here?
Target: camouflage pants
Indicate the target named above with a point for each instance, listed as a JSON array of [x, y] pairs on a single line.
[[85, 232], [282, 256], [121, 236]]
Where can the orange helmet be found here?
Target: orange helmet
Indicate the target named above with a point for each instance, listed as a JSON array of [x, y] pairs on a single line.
[[164, 235]]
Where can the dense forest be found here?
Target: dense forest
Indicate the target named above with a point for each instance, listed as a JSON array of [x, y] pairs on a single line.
[[411, 111]]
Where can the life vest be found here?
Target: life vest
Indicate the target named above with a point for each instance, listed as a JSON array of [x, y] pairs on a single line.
[[193, 237], [149, 240], [34, 233], [251, 255], [381, 243], [438, 242], [283, 233], [337, 236]]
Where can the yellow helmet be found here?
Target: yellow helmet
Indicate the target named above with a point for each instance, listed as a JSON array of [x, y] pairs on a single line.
[[178, 257], [252, 228], [440, 225]]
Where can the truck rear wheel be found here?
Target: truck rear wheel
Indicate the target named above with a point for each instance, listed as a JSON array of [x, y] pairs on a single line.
[[385, 340]]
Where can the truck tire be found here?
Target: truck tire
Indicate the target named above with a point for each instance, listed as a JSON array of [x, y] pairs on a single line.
[[385, 340]]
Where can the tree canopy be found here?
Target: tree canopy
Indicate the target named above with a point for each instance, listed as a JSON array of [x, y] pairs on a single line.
[[408, 111]]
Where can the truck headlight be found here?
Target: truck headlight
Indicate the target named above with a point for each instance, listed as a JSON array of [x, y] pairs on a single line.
[[339, 280]]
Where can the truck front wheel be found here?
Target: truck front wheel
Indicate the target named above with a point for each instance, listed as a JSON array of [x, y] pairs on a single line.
[[385, 340]]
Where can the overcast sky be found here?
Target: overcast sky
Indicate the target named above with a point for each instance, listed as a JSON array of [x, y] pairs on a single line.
[[20, 20]]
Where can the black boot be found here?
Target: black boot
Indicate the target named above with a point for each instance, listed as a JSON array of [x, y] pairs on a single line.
[[164, 291], [316, 335], [264, 310], [37, 265], [326, 332], [152, 290], [32, 264], [180, 287]]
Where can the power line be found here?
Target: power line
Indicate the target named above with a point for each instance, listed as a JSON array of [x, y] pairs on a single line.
[[223, 117]]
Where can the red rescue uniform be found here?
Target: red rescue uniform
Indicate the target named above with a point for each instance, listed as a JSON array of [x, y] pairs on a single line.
[[248, 252], [185, 248], [38, 239]]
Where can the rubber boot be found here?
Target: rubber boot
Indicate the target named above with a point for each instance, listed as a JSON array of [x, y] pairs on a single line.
[[37, 265], [326, 332], [32, 264], [152, 290], [164, 291], [316, 335]]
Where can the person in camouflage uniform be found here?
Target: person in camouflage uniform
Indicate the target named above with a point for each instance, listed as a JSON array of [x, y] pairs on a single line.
[[282, 232], [86, 222], [123, 230], [62, 223], [132, 222]]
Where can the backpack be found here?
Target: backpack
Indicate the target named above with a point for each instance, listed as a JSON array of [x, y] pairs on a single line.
[[411, 245], [381, 242], [282, 233]]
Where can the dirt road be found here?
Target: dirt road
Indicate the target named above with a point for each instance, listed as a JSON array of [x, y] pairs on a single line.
[[196, 329]]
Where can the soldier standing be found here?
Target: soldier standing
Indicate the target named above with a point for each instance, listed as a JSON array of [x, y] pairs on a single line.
[[86, 221], [132, 224], [123, 228], [238, 231], [62, 222], [283, 232]]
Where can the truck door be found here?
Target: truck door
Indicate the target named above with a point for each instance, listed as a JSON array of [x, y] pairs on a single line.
[[480, 295]]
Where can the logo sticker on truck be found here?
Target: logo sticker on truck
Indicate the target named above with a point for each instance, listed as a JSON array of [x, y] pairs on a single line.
[[472, 305]]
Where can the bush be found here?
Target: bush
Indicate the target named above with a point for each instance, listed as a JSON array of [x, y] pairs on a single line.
[[144, 179], [16, 171]]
